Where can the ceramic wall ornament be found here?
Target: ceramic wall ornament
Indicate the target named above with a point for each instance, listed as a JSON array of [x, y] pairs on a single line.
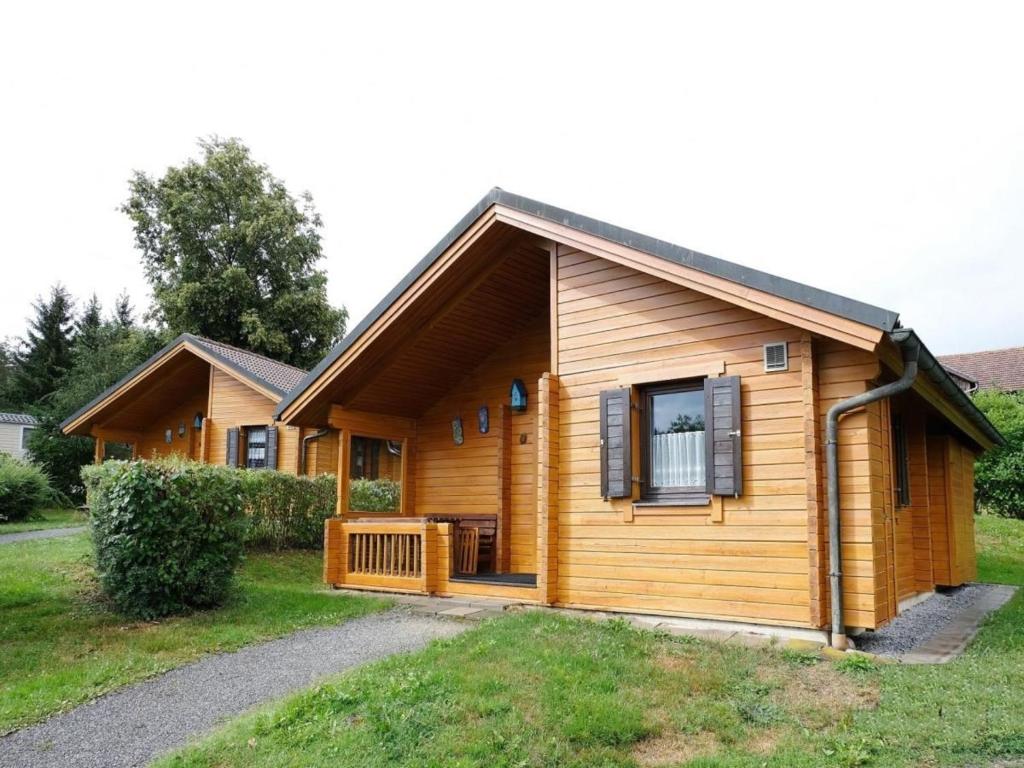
[[483, 420], [168, 435], [181, 429], [197, 422], [457, 434], [518, 395]]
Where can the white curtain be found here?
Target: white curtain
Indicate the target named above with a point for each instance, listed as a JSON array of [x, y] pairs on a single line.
[[677, 459]]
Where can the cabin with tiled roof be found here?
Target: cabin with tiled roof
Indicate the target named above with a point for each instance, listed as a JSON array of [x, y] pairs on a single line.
[[207, 401]]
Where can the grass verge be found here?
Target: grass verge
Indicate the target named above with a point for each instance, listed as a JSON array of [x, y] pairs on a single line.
[[51, 518], [542, 690], [62, 645]]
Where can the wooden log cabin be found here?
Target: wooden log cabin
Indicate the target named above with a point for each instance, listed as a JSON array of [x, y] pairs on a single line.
[[206, 401], [633, 426]]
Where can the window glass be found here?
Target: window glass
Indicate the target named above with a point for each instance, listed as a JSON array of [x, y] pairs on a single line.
[[256, 447], [375, 475], [26, 432], [674, 436]]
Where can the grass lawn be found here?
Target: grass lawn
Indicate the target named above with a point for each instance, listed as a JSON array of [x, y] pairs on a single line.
[[51, 518], [1000, 549], [539, 689], [61, 645]]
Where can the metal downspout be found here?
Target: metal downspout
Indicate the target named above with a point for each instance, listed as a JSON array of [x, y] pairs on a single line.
[[910, 347], [305, 443]]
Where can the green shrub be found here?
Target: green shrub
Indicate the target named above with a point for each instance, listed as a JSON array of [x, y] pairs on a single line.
[[999, 474], [168, 534], [285, 510], [25, 490], [374, 495]]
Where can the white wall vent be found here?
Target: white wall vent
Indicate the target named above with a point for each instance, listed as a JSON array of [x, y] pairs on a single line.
[[776, 357]]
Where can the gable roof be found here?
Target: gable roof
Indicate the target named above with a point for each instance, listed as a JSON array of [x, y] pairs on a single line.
[[24, 419], [991, 369], [883, 320], [270, 376], [276, 375]]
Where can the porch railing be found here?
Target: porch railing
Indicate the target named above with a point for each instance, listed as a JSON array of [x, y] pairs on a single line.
[[392, 555]]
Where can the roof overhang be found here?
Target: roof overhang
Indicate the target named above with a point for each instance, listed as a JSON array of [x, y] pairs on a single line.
[[861, 325], [936, 385], [143, 376]]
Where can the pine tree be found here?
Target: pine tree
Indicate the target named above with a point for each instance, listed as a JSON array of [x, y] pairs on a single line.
[[124, 312], [87, 328], [45, 354]]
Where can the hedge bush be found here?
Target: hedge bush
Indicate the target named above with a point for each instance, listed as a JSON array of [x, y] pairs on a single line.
[[999, 474], [285, 510], [25, 490], [381, 495], [168, 534]]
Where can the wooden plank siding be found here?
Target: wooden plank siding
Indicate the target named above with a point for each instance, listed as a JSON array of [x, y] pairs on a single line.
[[620, 327], [233, 404], [466, 479]]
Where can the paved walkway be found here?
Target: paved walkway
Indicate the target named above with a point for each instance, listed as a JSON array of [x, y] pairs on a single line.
[[47, 533], [132, 726], [951, 640]]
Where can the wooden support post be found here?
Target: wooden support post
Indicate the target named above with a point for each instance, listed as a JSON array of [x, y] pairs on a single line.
[[547, 487], [503, 481], [99, 450], [344, 448]]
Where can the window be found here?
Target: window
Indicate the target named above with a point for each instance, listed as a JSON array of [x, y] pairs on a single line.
[[375, 475], [901, 459], [673, 449], [26, 433], [256, 447]]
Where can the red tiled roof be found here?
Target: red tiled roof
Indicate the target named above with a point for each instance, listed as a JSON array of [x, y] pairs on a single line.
[[992, 369]]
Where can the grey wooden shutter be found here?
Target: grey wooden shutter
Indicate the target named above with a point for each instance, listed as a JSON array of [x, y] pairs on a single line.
[[271, 447], [616, 445], [723, 439], [232, 457]]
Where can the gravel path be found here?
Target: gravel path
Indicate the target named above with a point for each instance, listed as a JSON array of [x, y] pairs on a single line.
[[132, 726], [48, 533], [921, 622]]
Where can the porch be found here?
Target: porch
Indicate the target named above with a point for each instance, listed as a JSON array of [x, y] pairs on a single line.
[[414, 556], [445, 484]]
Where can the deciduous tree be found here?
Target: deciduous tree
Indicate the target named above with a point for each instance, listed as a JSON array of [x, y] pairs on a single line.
[[231, 255]]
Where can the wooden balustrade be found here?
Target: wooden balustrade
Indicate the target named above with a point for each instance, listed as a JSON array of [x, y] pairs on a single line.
[[394, 555]]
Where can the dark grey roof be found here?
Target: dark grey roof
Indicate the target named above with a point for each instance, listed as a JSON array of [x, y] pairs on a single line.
[[270, 374], [18, 418], [883, 319], [280, 377]]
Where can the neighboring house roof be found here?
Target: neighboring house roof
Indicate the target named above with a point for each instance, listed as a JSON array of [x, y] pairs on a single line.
[[18, 418], [884, 320], [266, 374], [990, 369]]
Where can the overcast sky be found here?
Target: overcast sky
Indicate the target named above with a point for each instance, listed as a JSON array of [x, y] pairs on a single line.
[[878, 153]]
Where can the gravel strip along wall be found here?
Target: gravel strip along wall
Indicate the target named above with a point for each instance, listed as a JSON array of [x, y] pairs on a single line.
[[921, 622]]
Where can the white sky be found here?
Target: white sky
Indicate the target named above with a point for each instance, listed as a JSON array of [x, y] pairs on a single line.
[[878, 153]]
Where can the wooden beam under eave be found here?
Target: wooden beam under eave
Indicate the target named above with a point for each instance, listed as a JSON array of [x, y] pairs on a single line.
[[367, 424]]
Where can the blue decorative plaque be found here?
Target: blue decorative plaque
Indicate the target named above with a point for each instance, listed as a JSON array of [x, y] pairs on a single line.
[[518, 395]]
